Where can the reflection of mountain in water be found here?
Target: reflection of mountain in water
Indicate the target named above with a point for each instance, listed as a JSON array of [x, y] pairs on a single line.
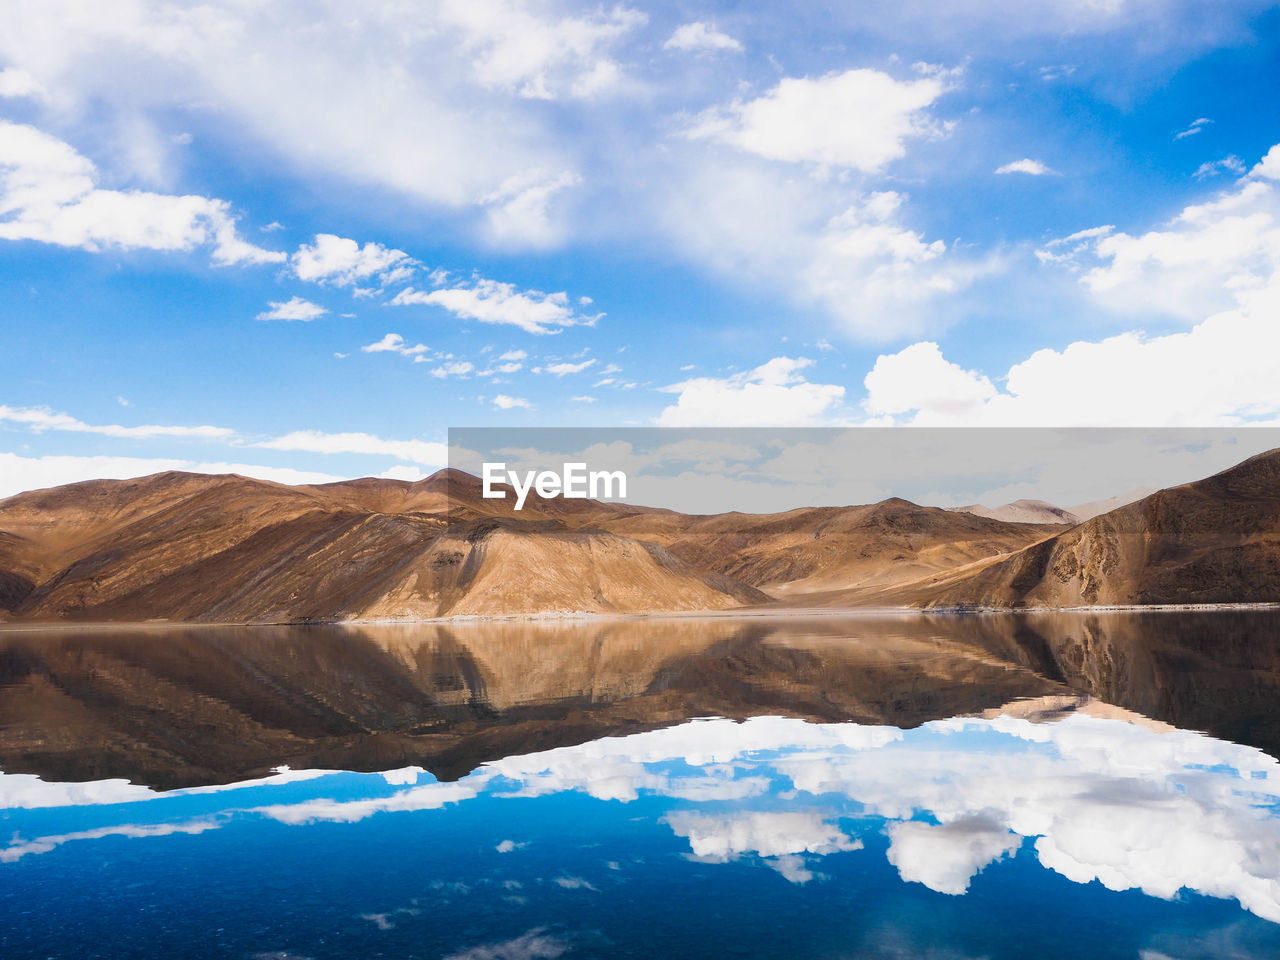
[[173, 707]]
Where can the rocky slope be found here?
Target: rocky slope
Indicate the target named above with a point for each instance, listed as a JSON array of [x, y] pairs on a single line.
[[1213, 541], [188, 547], [811, 551]]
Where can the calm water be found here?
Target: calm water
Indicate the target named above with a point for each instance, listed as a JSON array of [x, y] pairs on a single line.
[[1002, 786]]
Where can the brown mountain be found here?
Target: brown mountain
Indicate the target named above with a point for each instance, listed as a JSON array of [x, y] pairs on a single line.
[[186, 547], [1213, 541], [180, 546], [807, 553]]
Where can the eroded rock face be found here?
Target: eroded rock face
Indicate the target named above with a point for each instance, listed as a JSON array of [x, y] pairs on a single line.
[[1213, 541]]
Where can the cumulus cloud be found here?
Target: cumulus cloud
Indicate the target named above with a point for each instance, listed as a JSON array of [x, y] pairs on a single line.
[[698, 36], [394, 343], [1201, 377], [295, 308], [773, 394], [947, 856], [1035, 168], [1198, 262], [1217, 263], [49, 194], [860, 119], [343, 262], [489, 301]]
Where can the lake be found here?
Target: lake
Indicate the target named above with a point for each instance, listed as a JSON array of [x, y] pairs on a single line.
[[878, 786]]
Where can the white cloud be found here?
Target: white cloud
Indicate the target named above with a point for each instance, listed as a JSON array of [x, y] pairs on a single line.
[[489, 301], [453, 368], [865, 265], [18, 83], [344, 263], [773, 394], [698, 36], [39, 419], [723, 838], [947, 856], [1199, 262], [429, 453], [1211, 168], [1269, 166], [18, 473], [519, 210], [394, 343], [1035, 168], [1193, 128], [295, 308], [582, 399], [504, 402], [514, 49], [20, 848], [860, 119], [48, 193], [1220, 372], [514, 355], [919, 378], [564, 368], [414, 98]]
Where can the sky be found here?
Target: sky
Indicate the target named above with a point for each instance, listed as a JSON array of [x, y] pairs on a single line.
[[302, 240]]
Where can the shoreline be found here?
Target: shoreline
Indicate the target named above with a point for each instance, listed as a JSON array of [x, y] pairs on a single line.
[[583, 616]]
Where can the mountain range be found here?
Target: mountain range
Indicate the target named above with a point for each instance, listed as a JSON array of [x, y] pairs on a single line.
[[196, 548]]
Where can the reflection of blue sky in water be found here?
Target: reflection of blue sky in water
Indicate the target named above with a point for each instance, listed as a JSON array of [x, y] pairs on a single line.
[[599, 848]]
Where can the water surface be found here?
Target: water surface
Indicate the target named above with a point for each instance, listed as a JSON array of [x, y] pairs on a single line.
[[986, 786]]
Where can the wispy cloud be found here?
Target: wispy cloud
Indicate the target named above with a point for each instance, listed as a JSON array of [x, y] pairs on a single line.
[[489, 301]]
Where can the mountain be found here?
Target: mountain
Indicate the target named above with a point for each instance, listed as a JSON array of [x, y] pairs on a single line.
[[805, 553], [188, 547], [1023, 511], [1212, 541]]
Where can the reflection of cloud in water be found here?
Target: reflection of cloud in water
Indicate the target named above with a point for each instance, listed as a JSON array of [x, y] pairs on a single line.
[[21, 848], [533, 945], [1107, 800], [28, 792], [946, 856], [1101, 799], [431, 796], [777, 838]]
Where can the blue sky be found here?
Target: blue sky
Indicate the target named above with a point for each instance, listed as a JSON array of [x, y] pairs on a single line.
[[211, 218]]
